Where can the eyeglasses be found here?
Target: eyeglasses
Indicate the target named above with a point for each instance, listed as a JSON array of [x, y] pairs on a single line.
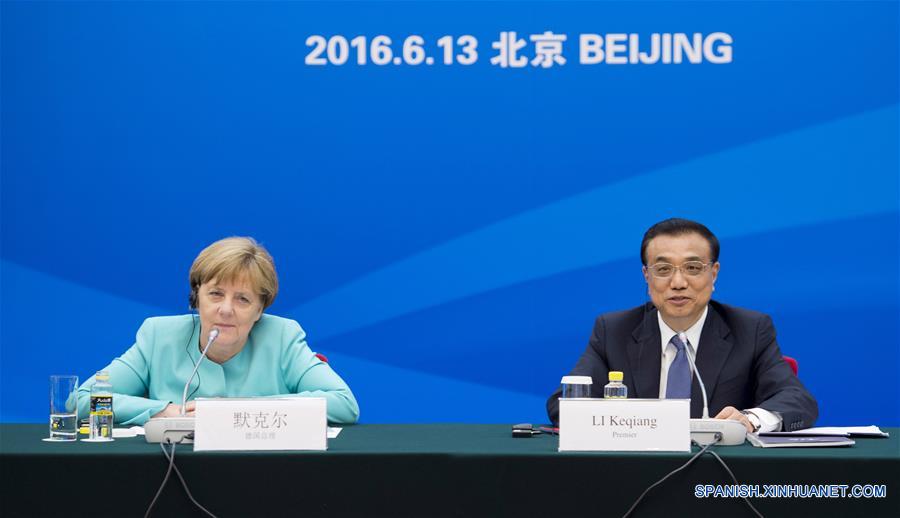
[[690, 269]]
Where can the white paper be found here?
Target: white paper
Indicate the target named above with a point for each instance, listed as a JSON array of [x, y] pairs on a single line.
[[333, 432], [134, 431], [837, 430]]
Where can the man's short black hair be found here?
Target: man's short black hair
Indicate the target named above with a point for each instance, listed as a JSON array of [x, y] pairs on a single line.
[[679, 227]]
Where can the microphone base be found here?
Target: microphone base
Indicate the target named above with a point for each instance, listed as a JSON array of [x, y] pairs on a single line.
[[179, 430], [704, 431]]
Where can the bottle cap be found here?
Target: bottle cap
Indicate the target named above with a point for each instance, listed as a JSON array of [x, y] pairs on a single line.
[[577, 380], [615, 375], [102, 376]]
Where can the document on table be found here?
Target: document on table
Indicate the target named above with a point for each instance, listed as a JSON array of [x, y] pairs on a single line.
[[845, 431], [798, 441], [134, 431]]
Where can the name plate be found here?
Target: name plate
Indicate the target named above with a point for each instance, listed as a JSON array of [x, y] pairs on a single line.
[[624, 424], [248, 424]]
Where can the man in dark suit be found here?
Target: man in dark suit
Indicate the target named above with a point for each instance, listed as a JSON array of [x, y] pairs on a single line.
[[736, 352]]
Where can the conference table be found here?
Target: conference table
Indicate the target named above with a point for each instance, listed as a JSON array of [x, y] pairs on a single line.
[[428, 470]]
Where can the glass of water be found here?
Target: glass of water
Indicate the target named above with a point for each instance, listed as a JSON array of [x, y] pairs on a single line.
[[63, 408], [576, 386]]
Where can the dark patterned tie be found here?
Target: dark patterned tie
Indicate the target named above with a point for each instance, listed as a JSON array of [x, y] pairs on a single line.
[[678, 384]]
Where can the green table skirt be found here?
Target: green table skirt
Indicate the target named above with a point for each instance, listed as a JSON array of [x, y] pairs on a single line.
[[435, 470]]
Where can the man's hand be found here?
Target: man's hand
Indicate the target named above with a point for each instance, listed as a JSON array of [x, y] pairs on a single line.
[[173, 410], [734, 414]]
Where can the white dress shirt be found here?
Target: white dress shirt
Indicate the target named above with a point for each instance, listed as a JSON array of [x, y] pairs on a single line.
[[769, 421]]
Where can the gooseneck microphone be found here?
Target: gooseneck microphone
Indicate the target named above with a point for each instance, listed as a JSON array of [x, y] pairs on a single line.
[[212, 338], [178, 429], [705, 430], [690, 356]]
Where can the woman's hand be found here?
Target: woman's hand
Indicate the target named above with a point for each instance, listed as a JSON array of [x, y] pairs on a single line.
[[173, 410]]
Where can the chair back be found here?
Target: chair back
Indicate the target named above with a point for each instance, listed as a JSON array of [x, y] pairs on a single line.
[[793, 363]]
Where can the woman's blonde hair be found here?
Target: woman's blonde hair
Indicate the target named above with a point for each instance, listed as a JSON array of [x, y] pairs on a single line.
[[229, 260]]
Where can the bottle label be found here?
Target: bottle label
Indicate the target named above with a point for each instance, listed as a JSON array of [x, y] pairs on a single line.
[[101, 405]]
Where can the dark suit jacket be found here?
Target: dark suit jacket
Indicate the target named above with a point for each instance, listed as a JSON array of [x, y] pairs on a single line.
[[738, 358]]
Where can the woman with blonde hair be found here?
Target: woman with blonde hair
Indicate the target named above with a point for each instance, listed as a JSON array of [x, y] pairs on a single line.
[[232, 282]]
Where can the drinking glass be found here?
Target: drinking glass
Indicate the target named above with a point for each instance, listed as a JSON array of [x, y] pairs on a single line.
[[63, 408], [576, 386]]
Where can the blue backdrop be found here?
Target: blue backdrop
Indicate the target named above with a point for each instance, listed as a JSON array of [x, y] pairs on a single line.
[[447, 233]]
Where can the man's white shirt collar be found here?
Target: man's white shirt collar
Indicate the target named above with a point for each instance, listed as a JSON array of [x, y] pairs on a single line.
[[693, 333]]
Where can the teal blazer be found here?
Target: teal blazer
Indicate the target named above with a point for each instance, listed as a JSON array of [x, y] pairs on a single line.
[[274, 362]]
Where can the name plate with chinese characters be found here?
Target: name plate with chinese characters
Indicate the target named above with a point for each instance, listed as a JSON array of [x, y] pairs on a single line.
[[624, 424], [245, 424]]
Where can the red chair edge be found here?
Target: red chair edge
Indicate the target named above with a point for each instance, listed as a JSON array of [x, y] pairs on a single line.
[[793, 363]]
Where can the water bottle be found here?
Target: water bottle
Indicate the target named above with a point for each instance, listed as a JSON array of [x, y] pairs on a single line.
[[615, 389], [101, 419]]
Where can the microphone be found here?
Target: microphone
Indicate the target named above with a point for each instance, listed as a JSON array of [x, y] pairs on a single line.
[[178, 429], [705, 430], [690, 356], [212, 338]]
